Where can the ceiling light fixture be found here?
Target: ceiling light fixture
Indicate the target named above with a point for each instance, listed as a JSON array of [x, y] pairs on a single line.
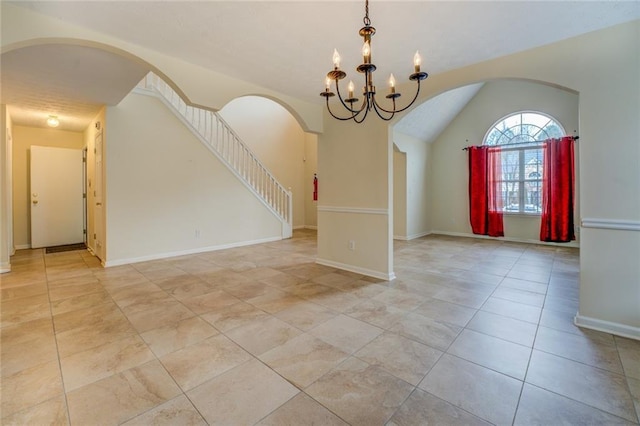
[[369, 90], [53, 121]]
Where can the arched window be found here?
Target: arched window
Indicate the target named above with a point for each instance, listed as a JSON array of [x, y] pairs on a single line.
[[520, 135]]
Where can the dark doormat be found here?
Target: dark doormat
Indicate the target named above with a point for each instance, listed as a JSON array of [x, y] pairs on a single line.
[[66, 247]]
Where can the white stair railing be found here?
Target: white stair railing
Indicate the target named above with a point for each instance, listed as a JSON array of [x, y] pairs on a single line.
[[225, 144]]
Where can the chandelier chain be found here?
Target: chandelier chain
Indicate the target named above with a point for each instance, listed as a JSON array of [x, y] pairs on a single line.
[[366, 20]]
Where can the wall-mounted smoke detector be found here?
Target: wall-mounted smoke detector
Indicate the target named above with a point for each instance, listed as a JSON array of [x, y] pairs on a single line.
[[53, 121]]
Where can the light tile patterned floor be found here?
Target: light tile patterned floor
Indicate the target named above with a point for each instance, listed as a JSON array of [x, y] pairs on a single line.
[[471, 332]]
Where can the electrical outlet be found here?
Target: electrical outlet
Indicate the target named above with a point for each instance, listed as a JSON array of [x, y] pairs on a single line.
[[352, 245]]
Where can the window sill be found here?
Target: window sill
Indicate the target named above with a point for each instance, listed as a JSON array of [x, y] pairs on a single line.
[[518, 214]]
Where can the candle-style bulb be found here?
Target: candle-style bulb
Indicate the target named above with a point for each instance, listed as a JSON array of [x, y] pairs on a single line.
[[417, 61], [392, 84], [336, 59], [366, 52], [328, 83], [351, 88]]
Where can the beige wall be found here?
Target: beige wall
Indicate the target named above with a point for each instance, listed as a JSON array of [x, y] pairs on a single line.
[[603, 67], [6, 189], [278, 141], [23, 139], [399, 195], [496, 99], [167, 194], [417, 186]]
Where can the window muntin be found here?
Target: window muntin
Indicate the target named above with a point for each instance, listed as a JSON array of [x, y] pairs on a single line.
[[520, 136]]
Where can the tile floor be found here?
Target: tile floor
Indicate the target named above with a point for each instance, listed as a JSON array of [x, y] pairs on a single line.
[[471, 332]]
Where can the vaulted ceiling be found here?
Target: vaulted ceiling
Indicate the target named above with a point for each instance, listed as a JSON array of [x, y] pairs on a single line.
[[285, 45]]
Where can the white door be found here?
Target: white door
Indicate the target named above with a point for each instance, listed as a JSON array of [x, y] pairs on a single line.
[[56, 196]]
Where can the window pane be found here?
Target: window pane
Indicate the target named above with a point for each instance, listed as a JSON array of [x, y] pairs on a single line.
[[505, 138], [553, 130], [511, 198], [538, 120], [511, 165], [493, 136], [533, 199], [513, 121]]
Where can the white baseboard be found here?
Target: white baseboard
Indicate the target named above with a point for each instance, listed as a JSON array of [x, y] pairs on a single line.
[[5, 267], [23, 247], [573, 244], [357, 269], [128, 261], [411, 237], [607, 326], [311, 227]]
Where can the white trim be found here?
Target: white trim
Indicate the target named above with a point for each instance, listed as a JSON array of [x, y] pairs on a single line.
[[607, 326], [621, 225], [357, 269], [299, 227], [411, 237], [5, 267], [311, 227], [357, 210], [119, 262], [573, 244], [23, 247]]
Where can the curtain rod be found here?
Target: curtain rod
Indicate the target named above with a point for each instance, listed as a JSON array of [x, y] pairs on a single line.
[[575, 138]]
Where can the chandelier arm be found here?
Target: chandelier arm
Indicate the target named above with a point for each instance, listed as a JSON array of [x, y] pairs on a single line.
[[412, 100], [348, 108], [366, 112], [376, 106], [406, 107], [353, 116]]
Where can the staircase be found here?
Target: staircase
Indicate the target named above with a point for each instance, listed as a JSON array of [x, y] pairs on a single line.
[[225, 144]]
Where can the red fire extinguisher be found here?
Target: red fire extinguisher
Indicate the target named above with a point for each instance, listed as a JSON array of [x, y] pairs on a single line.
[[315, 187]]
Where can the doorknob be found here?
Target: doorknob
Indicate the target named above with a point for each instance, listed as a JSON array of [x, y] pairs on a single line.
[[35, 201], [98, 204]]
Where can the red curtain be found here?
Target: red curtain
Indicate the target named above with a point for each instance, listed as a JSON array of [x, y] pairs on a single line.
[[558, 189], [485, 198]]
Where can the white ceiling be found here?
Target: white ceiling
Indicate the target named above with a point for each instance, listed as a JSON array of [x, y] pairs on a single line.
[[287, 45]]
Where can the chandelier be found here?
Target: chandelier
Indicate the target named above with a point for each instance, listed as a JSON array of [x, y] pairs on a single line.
[[369, 102]]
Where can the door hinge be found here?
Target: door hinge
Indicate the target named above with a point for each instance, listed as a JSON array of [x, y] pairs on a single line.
[[94, 236], [84, 195], [84, 231]]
